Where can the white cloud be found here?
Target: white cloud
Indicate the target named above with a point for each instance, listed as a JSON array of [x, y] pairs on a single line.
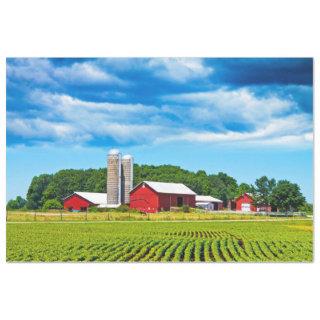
[[42, 129], [272, 120], [240, 105], [292, 128], [172, 69], [36, 70], [85, 73], [72, 107], [83, 120], [179, 69], [43, 71]]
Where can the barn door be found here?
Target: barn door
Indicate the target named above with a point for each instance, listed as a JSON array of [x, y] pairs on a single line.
[[245, 207]]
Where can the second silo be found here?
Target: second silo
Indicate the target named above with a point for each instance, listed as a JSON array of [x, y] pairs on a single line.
[[114, 178], [127, 178]]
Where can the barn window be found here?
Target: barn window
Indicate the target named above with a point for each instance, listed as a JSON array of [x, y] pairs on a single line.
[[70, 208], [83, 209], [179, 201]]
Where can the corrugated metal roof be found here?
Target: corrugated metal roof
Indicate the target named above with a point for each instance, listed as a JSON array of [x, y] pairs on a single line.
[[166, 187], [200, 198], [94, 197]]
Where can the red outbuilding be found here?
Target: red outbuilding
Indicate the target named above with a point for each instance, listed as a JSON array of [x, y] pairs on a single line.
[[80, 201], [244, 203], [151, 197]]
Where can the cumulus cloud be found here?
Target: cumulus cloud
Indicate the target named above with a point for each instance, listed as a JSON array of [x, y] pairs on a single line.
[[293, 128], [42, 129], [36, 70], [269, 119], [273, 120], [238, 104], [179, 69], [86, 73], [71, 119], [71, 107], [43, 71]]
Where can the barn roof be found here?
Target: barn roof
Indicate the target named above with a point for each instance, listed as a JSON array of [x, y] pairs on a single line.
[[242, 195], [168, 187], [200, 198], [94, 197]]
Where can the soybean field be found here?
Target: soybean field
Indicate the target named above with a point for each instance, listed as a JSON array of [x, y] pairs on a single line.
[[230, 241]]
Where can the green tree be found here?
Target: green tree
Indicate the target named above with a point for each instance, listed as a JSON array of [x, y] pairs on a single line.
[[37, 188], [286, 196], [18, 203], [52, 204], [262, 190], [223, 187], [65, 182], [243, 188], [306, 208]]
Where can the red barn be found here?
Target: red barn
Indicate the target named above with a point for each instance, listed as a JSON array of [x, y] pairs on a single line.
[[80, 201], [153, 197], [244, 203]]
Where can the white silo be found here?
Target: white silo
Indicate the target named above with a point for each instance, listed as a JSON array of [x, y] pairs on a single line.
[[127, 178], [114, 178]]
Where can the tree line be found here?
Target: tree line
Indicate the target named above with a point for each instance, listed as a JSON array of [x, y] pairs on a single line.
[[48, 190]]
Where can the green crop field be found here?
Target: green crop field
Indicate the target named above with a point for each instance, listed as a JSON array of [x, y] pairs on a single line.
[[149, 241]]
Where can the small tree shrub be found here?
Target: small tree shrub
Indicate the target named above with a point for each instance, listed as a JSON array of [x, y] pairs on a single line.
[[185, 208], [17, 204], [52, 204], [122, 208], [93, 209]]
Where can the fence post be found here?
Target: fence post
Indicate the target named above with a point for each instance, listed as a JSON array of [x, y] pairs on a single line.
[[35, 216], [60, 215], [87, 214], [129, 215], [108, 216]]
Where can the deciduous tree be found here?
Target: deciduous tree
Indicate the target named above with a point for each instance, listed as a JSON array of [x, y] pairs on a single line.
[[286, 196], [18, 203]]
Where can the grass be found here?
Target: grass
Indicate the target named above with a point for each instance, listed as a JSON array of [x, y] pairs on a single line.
[[55, 216], [235, 241]]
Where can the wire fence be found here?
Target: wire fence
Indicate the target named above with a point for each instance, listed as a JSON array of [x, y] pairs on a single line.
[[63, 216]]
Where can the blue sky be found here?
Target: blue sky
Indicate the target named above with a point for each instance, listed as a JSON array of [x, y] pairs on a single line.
[[246, 117]]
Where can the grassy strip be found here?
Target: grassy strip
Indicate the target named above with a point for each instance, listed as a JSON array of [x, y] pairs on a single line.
[[29, 216]]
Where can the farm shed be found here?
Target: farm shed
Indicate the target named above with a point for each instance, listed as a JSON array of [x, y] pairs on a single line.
[[209, 203], [151, 197], [244, 203], [80, 201]]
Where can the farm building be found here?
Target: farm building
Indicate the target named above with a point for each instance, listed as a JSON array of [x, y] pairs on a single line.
[[80, 201], [208, 203], [244, 203], [151, 197]]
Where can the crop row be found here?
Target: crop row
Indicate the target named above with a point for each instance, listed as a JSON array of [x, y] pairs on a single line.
[[200, 250], [157, 242]]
